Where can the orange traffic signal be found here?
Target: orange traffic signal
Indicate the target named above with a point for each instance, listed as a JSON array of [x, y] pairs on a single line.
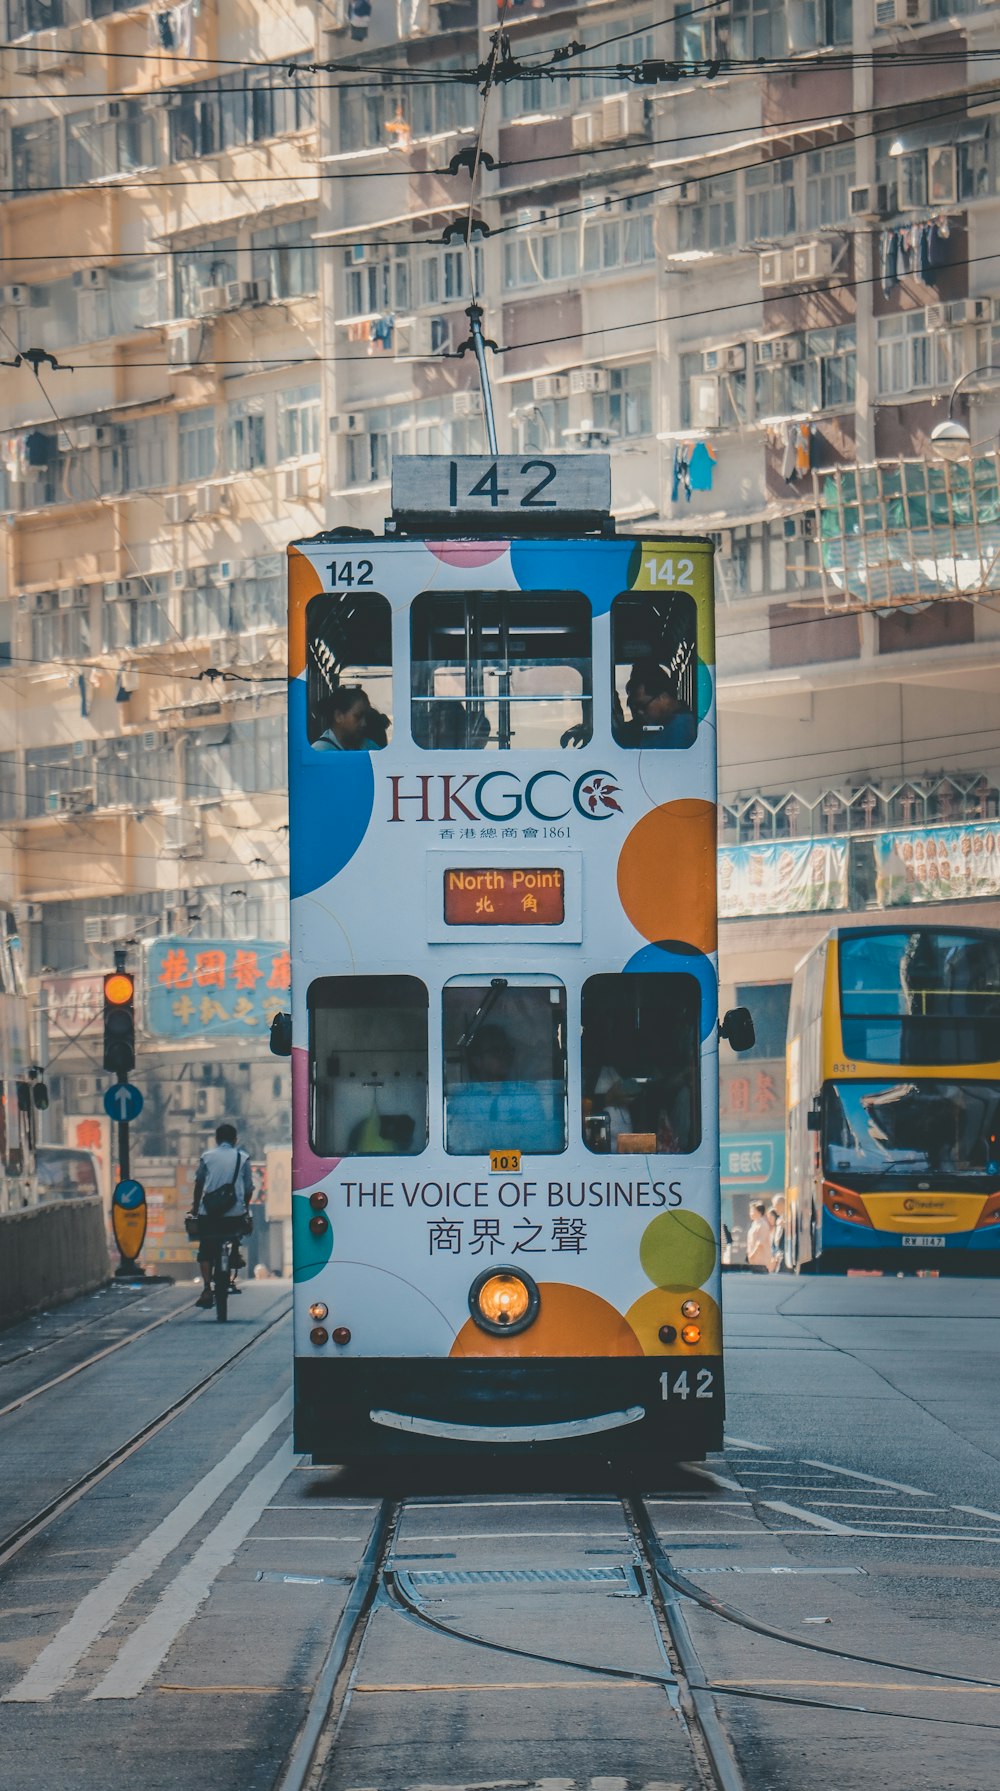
[[118, 988], [119, 1022]]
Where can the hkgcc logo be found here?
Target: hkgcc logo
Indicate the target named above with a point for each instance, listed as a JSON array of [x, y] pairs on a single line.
[[503, 795]]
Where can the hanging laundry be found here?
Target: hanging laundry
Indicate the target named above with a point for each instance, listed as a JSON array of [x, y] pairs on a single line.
[[358, 14], [380, 331], [788, 455], [81, 684], [413, 18], [38, 448], [701, 468], [680, 479], [797, 459], [888, 260], [359, 330]]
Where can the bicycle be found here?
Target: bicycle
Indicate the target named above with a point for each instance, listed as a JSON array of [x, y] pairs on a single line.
[[218, 1241]]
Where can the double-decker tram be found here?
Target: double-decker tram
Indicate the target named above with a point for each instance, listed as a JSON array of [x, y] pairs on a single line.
[[893, 1101], [504, 987]]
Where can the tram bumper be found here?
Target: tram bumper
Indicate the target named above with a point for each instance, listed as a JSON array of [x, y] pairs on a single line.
[[655, 1410]]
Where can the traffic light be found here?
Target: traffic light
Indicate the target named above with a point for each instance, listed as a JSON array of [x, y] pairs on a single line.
[[119, 1022]]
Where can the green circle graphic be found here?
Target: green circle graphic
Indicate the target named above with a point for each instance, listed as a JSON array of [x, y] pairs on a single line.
[[309, 1254], [678, 1250]]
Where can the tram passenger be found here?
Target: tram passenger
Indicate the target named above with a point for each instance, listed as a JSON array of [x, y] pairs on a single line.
[[350, 723], [659, 718], [492, 1105]]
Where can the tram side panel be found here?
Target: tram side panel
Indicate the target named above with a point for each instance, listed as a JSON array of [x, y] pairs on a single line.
[[504, 1002]]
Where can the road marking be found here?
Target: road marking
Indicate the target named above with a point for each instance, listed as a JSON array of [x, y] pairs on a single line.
[[937, 1691], [146, 1649], [57, 1662], [808, 1517], [738, 1443], [977, 1511], [510, 1685], [873, 1479], [691, 1467]]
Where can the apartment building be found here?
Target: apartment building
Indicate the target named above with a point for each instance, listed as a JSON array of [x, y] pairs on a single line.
[[750, 251]]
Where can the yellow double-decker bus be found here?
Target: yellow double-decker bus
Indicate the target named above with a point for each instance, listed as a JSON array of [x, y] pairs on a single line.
[[893, 1101]]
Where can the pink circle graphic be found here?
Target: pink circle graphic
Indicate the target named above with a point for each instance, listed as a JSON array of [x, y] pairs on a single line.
[[468, 553]]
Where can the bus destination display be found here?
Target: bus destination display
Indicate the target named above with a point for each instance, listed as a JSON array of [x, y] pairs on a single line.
[[521, 896]]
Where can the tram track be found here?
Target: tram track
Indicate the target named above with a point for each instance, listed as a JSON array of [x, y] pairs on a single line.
[[100, 1355], [377, 1581], [18, 1539]]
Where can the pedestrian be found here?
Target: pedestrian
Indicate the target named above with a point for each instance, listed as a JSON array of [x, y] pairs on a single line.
[[759, 1239], [222, 1170], [778, 1235]]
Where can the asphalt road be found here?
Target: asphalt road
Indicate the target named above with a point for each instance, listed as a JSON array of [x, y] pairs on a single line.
[[168, 1627]]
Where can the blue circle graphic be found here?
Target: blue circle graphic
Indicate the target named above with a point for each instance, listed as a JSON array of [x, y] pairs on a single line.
[[673, 955], [331, 798]]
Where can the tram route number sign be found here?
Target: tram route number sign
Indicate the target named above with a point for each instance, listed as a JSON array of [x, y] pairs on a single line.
[[525, 485], [505, 1162]]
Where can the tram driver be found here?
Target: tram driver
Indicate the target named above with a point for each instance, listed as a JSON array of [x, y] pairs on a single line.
[[493, 1105]]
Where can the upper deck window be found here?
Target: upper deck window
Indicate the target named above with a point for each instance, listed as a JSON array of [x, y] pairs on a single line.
[[920, 996], [655, 670], [349, 671], [501, 669]]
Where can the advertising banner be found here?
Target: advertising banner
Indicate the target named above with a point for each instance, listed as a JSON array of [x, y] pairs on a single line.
[[938, 864], [215, 988], [787, 877]]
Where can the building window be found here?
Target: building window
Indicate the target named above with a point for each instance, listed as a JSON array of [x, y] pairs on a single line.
[[711, 223], [245, 428], [727, 396], [208, 265], [622, 238], [911, 358], [541, 252], [541, 422], [626, 408], [348, 649], [770, 200], [641, 1063], [501, 670], [654, 668], [374, 287], [195, 445], [61, 633], [141, 455], [504, 1065], [111, 139], [368, 1063], [231, 110], [298, 423], [829, 176], [528, 98], [252, 756], [422, 111], [138, 621], [832, 361], [35, 155], [285, 257], [58, 777]]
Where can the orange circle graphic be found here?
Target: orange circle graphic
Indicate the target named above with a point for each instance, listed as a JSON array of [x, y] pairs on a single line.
[[571, 1322], [666, 873]]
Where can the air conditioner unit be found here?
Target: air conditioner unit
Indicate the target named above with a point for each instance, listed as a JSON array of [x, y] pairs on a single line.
[[92, 279], [209, 1103], [812, 260], [117, 926], [32, 911], [774, 268], [466, 404], [210, 500], [801, 527], [967, 310], [551, 385], [622, 115], [27, 58], [704, 390], [872, 201], [787, 348], [15, 295], [93, 929], [358, 254], [689, 192], [183, 347], [81, 597], [64, 598], [106, 434], [585, 129], [83, 436], [246, 292], [935, 318], [177, 506], [423, 336], [108, 111], [76, 802], [730, 359], [212, 299], [182, 834], [901, 12], [348, 423], [588, 379]]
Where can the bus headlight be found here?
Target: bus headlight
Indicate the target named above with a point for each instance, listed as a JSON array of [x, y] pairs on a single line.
[[503, 1301]]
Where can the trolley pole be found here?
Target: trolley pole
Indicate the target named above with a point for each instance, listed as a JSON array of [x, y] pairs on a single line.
[[474, 313]]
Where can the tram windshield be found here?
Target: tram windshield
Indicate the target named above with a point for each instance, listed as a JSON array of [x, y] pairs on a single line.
[[920, 996], [641, 1063], [503, 669], [910, 1129], [368, 1063], [504, 1065], [349, 671], [655, 669]]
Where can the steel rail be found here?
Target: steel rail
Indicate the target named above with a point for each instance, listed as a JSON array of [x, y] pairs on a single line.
[[78, 1367], [18, 1538]]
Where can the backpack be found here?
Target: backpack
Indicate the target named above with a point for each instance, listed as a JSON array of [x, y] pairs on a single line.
[[220, 1200]]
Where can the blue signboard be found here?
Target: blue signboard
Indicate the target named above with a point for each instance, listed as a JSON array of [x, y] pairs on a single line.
[[754, 1161], [215, 988], [123, 1101]]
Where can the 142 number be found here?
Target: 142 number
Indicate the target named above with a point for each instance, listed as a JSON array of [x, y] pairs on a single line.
[[684, 1383]]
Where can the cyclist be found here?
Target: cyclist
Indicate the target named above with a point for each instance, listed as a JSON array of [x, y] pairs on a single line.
[[221, 1170]]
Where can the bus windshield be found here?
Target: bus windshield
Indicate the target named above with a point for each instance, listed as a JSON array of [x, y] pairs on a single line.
[[911, 1129], [920, 996]]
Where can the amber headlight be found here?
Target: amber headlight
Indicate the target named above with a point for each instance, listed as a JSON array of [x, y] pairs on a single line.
[[503, 1301]]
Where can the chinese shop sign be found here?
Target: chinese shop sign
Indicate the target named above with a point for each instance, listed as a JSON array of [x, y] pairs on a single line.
[[215, 988], [796, 877]]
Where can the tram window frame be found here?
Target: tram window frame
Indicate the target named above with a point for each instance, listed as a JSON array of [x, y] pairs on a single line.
[[348, 646], [492, 1020], [462, 719], [604, 1055], [325, 996], [656, 663]]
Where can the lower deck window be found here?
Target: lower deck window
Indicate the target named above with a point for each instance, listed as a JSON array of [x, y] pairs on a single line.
[[505, 1065], [641, 1063], [368, 1065]]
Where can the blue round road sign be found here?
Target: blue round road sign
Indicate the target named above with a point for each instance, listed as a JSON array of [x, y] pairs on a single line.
[[123, 1101], [129, 1195]]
